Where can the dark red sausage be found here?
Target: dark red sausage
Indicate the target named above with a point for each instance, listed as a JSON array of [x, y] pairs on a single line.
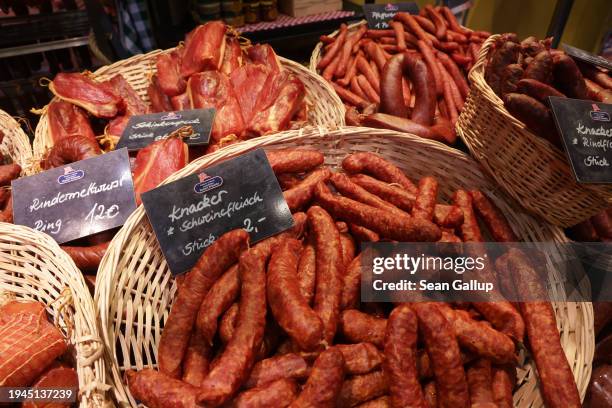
[[86, 258], [324, 383]]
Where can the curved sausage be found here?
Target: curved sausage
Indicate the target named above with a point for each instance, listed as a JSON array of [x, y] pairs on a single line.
[[69, 150], [493, 218], [294, 160], [365, 162], [86, 258], [197, 359], [8, 173], [301, 194], [359, 327], [334, 49], [324, 383], [568, 76], [437, 20], [391, 95], [361, 388], [425, 201], [470, 231], [157, 390], [424, 90], [360, 358], [351, 289], [279, 393], [288, 365]]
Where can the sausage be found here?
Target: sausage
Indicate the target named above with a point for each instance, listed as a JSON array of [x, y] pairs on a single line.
[[501, 314], [157, 390], [377, 55], [432, 65], [470, 231], [306, 273], [347, 243], [425, 201], [443, 351], [351, 71], [238, 357], [437, 20], [330, 70], [480, 384], [400, 365], [493, 218], [290, 365], [446, 216], [350, 97], [352, 285], [382, 402], [227, 325], [6, 215], [596, 75], [367, 89], [324, 383], [86, 258], [510, 76], [452, 97], [356, 89], [288, 307], [364, 67], [391, 95], [334, 49], [294, 160], [300, 195], [365, 162], [216, 259], [8, 173], [360, 358], [329, 269], [455, 73], [363, 234], [196, 362], [540, 68], [556, 379], [537, 89], [535, 115], [502, 384], [506, 54], [602, 224], [412, 24], [597, 93], [568, 77], [219, 298], [384, 121], [425, 23], [424, 90], [358, 327], [398, 28], [347, 48], [452, 21], [479, 337], [279, 393], [391, 226], [361, 388], [430, 395], [69, 150], [288, 180]]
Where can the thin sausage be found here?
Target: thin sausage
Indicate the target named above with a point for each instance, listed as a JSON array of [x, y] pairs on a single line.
[[493, 218], [350, 97], [370, 92], [352, 285], [398, 28], [455, 73], [425, 202], [412, 24], [425, 23], [324, 383], [347, 48], [86, 258], [300, 195], [452, 21], [432, 65], [437, 20], [294, 160], [288, 365], [378, 167], [470, 231], [364, 67], [334, 49]]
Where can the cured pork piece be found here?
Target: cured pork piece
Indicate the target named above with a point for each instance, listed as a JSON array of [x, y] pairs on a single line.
[[248, 81], [204, 49], [264, 54], [66, 119], [169, 74], [160, 102], [232, 58], [78, 89]]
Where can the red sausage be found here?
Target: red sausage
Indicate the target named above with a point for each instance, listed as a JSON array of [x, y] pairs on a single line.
[[8, 173], [86, 258], [502, 384], [289, 365], [378, 167], [470, 231], [424, 88], [391, 95], [493, 218], [300, 195], [352, 285], [360, 358], [361, 388], [350, 97], [196, 362], [425, 202], [294, 160], [437, 20], [334, 49], [324, 383], [157, 390], [455, 73], [432, 65], [480, 384], [398, 28], [364, 67], [412, 24], [358, 327], [69, 150], [279, 393]]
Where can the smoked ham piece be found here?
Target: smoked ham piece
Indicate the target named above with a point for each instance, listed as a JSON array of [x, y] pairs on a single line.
[[156, 162], [265, 55], [131, 105], [55, 377], [160, 102], [169, 74], [180, 102], [66, 119], [248, 81], [78, 89], [232, 58], [204, 49]]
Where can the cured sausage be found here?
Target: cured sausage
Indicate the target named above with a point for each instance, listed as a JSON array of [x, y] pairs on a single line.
[[470, 231], [279, 393], [540, 68], [537, 89], [306, 273], [238, 357], [8, 173], [502, 383], [288, 365], [301, 194], [568, 77], [423, 81], [352, 285], [294, 160], [86, 258], [438, 132], [364, 67], [70, 149], [382, 402], [288, 306], [358, 327], [335, 48], [493, 218], [329, 269], [363, 234], [324, 383], [534, 114], [503, 56], [55, 377], [443, 351], [227, 325], [400, 365], [432, 65], [216, 259], [361, 388], [425, 202], [360, 358], [157, 390], [480, 384], [196, 361], [365, 162], [455, 73], [388, 225], [391, 95]]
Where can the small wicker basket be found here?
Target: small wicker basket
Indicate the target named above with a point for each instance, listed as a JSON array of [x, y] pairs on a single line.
[[135, 288], [529, 168], [325, 107], [33, 267], [15, 144]]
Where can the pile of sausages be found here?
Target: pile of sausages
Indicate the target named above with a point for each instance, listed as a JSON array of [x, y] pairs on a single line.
[[280, 323], [8, 173], [411, 77], [598, 228], [33, 352], [525, 73]]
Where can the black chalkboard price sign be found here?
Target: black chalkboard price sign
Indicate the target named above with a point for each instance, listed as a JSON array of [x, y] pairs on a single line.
[[379, 15], [586, 131], [585, 56], [78, 199], [142, 130], [189, 214]]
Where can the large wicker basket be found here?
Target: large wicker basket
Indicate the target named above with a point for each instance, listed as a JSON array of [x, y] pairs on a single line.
[[529, 168], [325, 107], [135, 287], [15, 143], [33, 267]]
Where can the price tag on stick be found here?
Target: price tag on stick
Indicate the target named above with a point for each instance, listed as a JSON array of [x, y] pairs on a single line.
[[142, 130], [77, 200], [586, 131], [379, 15], [189, 214]]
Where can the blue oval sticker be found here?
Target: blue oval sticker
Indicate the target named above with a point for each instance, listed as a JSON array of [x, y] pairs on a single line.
[[207, 184], [70, 175]]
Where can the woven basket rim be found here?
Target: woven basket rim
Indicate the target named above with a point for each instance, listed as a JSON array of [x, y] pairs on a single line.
[[129, 236], [16, 143], [40, 258]]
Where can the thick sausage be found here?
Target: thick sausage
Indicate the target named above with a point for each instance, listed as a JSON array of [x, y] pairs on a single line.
[[294, 160], [537, 89], [568, 77], [493, 218], [288, 307], [329, 269], [279, 393], [439, 133], [352, 285], [502, 384], [348, 248], [238, 357], [391, 95], [363, 234], [361, 388], [511, 75], [378, 167], [596, 75], [300, 195], [219, 298], [480, 384], [430, 394], [432, 65], [288, 365], [306, 273], [534, 114], [197, 359], [425, 201], [443, 351], [358, 327], [86, 258], [70, 149], [503, 56], [324, 383], [157, 390], [470, 231], [540, 68], [388, 225], [424, 90], [216, 259], [360, 358], [400, 365], [334, 49], [382, 402], [227, 325], [8, 173]]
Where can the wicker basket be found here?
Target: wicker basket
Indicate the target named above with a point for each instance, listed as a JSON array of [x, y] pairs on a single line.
[[135, 287], [33, 267], [316, 53], [325, 107], [529, 168], [15, 144]]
